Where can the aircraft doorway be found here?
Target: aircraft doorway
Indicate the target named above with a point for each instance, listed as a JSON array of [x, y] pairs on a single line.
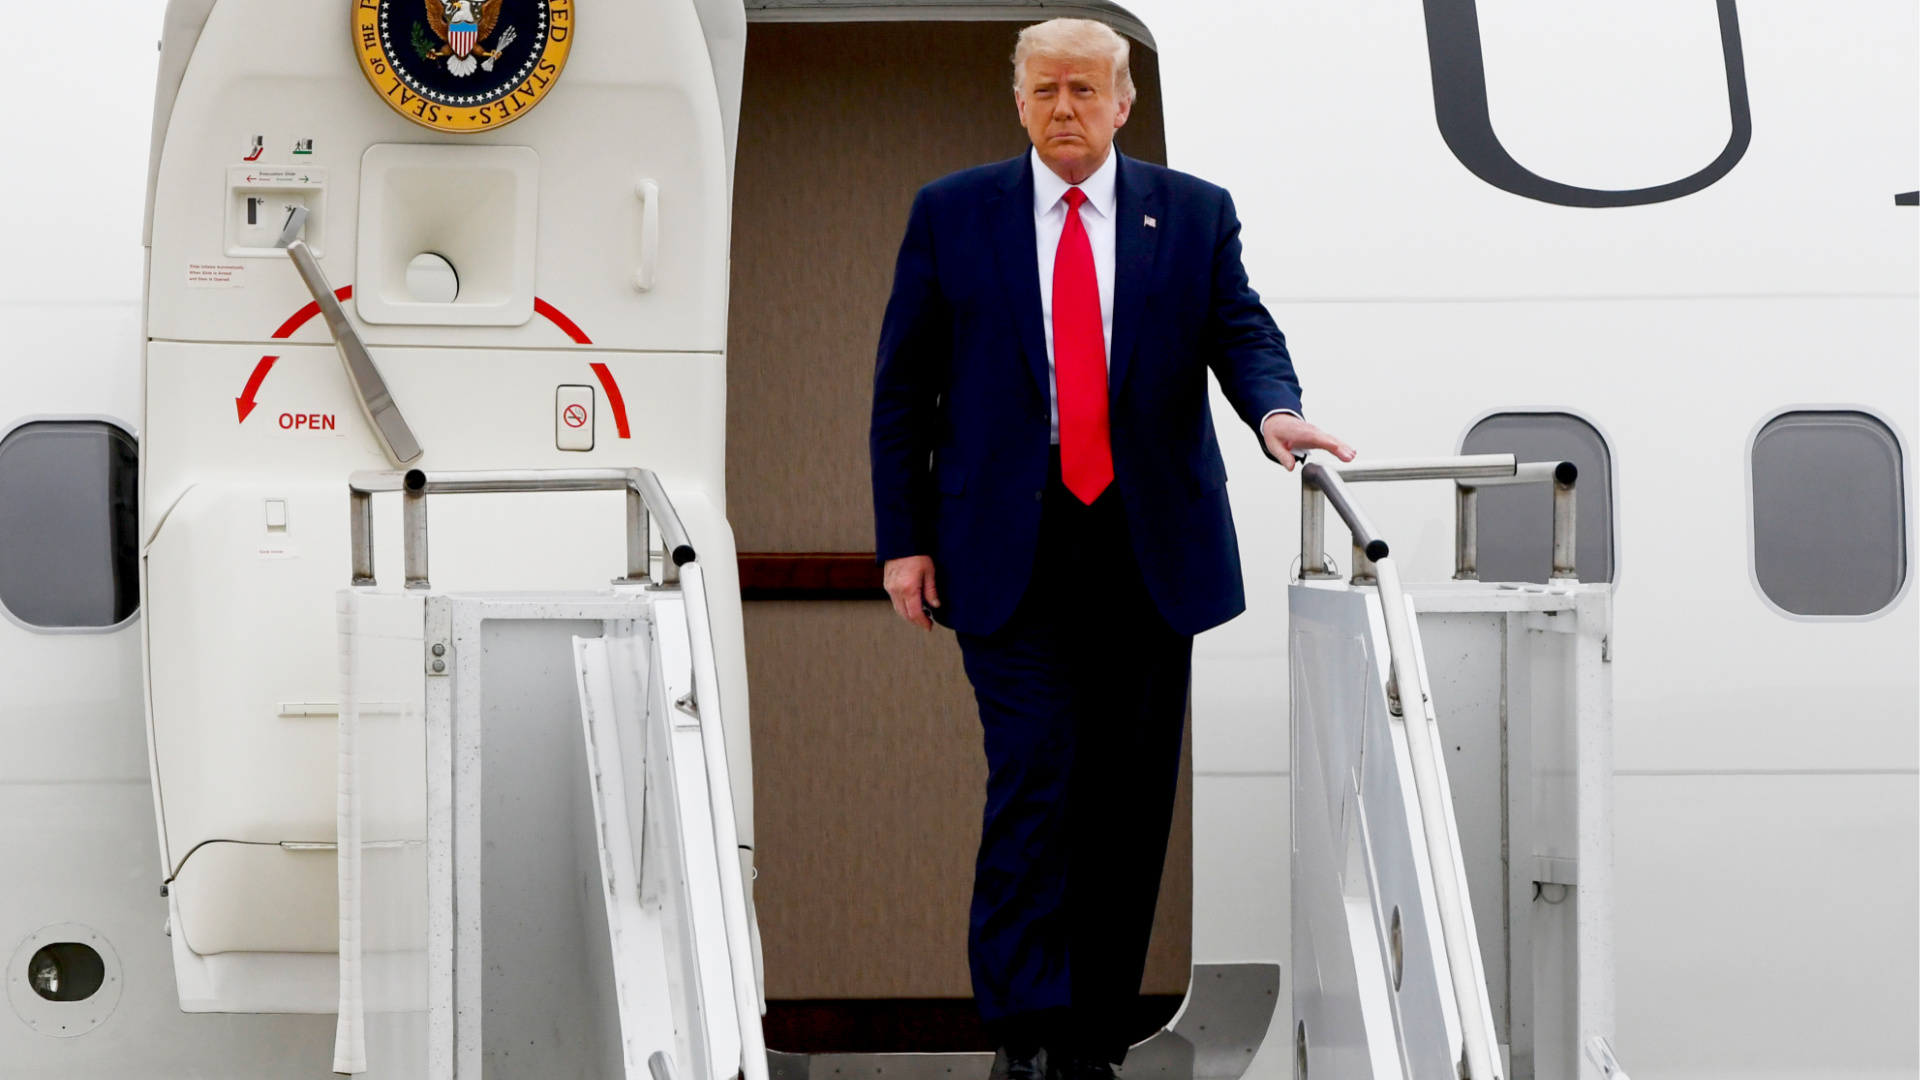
[[869, 774]]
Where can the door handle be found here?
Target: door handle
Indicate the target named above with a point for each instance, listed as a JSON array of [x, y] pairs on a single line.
[[649, 193], [376, 402]]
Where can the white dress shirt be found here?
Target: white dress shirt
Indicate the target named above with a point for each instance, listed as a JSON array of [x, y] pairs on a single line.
[[1049, 222], [1097, 215]]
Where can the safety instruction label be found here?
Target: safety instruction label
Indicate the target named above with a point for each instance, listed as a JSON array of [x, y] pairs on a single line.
[[215, 275], [238, 175]]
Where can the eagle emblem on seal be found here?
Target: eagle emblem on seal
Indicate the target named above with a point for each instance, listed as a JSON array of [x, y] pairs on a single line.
[[461, 26], [462, 65]]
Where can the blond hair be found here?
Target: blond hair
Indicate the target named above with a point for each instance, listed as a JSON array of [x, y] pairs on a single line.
[[1077, 39]]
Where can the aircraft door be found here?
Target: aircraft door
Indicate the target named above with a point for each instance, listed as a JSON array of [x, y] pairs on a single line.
[[520, 210], [872, 774]]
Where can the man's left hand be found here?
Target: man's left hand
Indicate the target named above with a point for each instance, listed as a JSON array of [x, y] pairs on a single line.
[[1287, 435]]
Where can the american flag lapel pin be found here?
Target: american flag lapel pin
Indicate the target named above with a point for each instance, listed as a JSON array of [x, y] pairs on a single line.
[[1152, 224]]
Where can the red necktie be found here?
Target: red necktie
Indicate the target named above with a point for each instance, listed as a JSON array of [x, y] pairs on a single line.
[[1080, 361]]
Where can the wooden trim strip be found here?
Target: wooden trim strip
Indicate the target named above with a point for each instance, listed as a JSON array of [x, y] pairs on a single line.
[[810, 575]]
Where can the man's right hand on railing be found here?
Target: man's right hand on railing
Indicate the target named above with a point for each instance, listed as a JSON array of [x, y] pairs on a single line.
[[909, 583], [1287, 436]]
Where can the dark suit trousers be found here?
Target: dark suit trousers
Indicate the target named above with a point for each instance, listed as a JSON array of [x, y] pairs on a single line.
[[1083, 698]]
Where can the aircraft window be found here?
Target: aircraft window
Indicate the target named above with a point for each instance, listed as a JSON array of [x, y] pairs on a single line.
[[1516, 523], [68, 524], [1829, 513]]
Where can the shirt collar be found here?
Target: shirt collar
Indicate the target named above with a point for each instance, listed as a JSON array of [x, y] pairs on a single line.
[[1049, 189]]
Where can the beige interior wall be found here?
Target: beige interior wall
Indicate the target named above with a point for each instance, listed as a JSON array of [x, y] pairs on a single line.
[[840, 123], [868, 771]]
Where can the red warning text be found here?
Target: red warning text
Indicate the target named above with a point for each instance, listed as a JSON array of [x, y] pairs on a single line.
[[308, 421]]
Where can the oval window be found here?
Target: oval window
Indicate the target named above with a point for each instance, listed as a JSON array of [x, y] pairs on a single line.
[[69, 515]]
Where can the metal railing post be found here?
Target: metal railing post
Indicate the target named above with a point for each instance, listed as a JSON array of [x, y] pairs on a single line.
[[1365, 536], [1363, 569], [1466, 533], [360, 530], [1565, 531], [1313, 533], [413, 518], [674, 546], [639, 544]]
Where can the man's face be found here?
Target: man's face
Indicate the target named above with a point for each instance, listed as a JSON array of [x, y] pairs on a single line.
[[1070, 112]]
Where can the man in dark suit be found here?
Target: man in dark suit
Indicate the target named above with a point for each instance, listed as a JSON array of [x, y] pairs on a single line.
[[1048, 484]]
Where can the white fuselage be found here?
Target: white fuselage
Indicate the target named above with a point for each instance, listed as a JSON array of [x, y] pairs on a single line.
[[1767, 844]]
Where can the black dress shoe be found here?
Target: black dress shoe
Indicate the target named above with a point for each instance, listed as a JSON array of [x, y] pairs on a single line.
[[1081, 1068], [1009, 1066]]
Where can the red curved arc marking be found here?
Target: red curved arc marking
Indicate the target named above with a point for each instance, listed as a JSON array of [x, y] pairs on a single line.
[[566, 325], [614, 400], [344, 292], [551, 313], [572, 329], [244, 404]]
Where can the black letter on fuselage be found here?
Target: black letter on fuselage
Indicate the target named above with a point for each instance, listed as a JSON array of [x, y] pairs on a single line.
[[1460, 106]]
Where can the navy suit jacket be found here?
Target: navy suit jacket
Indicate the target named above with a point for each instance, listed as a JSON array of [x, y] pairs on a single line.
[[961, 415]]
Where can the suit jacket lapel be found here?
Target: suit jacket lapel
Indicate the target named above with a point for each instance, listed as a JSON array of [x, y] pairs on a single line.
[[1135, 244], [1014, 248]]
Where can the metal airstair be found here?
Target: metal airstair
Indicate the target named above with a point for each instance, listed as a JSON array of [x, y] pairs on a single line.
[[1452, 804], [582, 906], [582, 875]]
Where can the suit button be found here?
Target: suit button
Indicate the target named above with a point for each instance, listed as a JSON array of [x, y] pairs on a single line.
[[1038, 495]]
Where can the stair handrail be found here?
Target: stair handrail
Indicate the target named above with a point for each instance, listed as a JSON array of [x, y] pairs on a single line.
[[646, 499], [1403, 674], [708, 707], [1470, 473]]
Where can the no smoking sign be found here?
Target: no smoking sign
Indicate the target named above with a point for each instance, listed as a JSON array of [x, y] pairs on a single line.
[[573, 418]]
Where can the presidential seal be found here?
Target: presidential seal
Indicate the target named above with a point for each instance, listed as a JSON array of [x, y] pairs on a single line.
[[462, 65]]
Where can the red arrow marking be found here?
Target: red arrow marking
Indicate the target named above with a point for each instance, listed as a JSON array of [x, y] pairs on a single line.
[[614, 400], [245, 401], [244, 404]]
